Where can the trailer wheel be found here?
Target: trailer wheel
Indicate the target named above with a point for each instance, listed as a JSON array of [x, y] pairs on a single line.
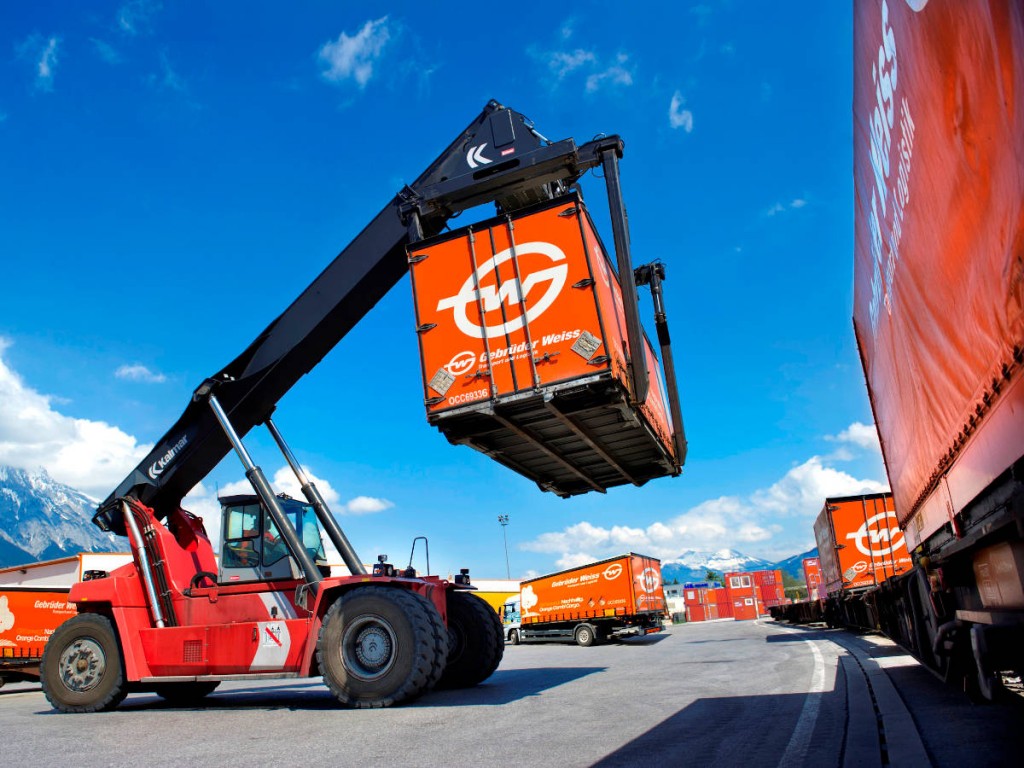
[[513, 637], [476, 641], [379, 646], [584, 635], [81, 669], [184, 694]]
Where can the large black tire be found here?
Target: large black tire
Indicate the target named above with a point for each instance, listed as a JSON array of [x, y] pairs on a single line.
[[476, 641], [185, 694], [379, 646], [584, 635], [82, 669]]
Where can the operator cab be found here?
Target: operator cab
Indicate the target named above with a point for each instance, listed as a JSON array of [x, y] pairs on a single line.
[[252, 547]]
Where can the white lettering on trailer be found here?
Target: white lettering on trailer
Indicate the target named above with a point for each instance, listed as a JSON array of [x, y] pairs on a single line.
[[872, 538], [511, 292]]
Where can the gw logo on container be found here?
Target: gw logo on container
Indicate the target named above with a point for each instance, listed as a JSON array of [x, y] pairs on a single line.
[[873, 539], [510, 292]]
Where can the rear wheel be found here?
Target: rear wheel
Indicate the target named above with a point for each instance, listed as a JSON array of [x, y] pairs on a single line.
[[379, 646], [183, 694], [81, 669], [476, 641], [584, 635]]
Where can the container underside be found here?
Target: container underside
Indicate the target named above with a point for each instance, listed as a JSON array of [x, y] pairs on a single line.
[[570, 439]]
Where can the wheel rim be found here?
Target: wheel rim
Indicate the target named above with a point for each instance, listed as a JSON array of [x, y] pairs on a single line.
[[82, 664], [368, 647]]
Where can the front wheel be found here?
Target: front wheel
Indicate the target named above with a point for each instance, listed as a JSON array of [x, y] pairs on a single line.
[[81, 669], [379, 646], [475, 639], [513, 637]]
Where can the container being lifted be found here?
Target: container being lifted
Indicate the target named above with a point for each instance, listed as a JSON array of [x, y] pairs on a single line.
[[526, 339]]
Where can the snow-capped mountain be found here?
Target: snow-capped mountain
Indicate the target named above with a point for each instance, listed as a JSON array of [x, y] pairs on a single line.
[[693, 564], [41, 519], [794, 565]]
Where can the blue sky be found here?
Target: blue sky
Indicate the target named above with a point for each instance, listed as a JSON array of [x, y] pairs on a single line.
[[173, 175]]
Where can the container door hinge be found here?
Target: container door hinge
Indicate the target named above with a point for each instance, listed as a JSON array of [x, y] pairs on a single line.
[[433, 401], [418, 258], [569, 212], [586, 282], [426, 327], [546, 357], [599, 360]]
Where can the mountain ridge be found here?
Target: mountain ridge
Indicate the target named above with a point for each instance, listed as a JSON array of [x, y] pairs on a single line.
[[43, 519]]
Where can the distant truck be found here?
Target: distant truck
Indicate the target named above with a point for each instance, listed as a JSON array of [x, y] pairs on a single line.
[[34, 602], [619, 597]]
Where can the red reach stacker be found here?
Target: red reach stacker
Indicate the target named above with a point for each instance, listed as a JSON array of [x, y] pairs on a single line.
[[590, 409]]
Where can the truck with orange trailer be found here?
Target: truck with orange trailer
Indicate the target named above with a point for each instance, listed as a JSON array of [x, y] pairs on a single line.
[[619, 597], [939, 319]]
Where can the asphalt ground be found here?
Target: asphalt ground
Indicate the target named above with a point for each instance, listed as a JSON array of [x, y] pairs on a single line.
[[712, 694]]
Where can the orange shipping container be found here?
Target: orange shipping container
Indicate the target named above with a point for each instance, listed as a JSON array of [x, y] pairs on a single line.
[[525, 352], [939, 233], [622, 586], [860, 544]]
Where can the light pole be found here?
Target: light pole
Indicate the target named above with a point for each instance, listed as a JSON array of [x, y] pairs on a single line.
[[503, 519]]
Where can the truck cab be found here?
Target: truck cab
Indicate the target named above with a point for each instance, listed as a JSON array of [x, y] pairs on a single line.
[[511, 620]]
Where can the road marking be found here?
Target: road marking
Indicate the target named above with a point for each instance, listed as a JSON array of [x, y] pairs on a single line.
[[796, 750]]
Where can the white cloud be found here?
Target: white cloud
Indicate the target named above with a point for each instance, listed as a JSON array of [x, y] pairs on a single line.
[[617, 74], [677, 116], [139, 372], [284, 481], [795, 204], [562, 63], [135, 17], [92, 456], [367, 505], [106, 51], [727, 521], [354, 57], [861, 435], [47, 63]]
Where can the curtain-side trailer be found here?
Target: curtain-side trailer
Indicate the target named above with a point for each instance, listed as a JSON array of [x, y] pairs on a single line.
[[939, 318]]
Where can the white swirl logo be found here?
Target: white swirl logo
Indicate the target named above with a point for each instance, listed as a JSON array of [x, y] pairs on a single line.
[[461, 363], [613, 571], [874, 539], [510, 292], [649, 580]]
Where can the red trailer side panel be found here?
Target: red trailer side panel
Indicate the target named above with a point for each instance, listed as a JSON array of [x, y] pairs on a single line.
[[939, 272]]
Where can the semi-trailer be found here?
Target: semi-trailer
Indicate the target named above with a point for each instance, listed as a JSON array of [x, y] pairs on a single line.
[[34, 602], [939, 320], [619, 597]]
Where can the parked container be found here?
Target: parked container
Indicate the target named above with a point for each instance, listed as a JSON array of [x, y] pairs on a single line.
[[525, 353], [860, 544]]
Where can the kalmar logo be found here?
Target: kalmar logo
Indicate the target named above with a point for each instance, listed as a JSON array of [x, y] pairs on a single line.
[[510, 292], [873, 538]]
